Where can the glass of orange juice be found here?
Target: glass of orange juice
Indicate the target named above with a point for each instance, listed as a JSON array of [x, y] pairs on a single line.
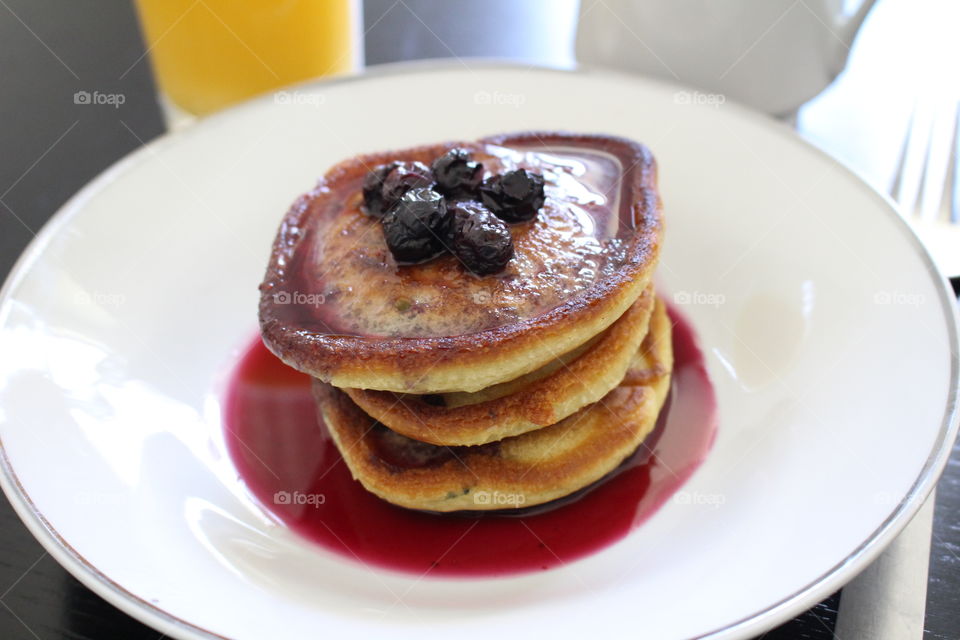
[[208, 54]]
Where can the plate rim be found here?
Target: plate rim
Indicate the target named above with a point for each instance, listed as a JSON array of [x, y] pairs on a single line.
[[777, 612]]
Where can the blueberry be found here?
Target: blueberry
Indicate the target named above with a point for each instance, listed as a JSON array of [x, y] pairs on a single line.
[[402, 178], [515, 196], [480, 239], [417, 227], [373, 188], [386, 184], [457, 175]]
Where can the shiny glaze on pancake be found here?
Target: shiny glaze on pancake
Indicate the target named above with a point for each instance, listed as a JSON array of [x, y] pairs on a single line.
[[571, 244], [336, 305]]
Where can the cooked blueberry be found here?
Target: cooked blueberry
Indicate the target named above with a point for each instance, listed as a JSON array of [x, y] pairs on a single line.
[[457, 175], [417, 227], [402, 178], [515, 196], [373, 188], [481, 240]]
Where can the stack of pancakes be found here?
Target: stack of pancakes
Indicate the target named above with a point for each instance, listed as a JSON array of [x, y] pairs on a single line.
[[444, 391]]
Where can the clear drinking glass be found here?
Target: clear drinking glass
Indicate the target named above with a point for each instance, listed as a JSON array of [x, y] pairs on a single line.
[[208, 54]]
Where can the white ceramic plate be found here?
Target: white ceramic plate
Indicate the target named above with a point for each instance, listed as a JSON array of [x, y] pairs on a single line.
[[829, 336]]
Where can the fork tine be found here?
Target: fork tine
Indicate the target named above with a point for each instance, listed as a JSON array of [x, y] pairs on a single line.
[[914, 157], [896, 184], [935, 184], [955, 179]]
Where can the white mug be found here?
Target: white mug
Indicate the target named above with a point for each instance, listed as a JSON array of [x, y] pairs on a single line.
[[771, 54]]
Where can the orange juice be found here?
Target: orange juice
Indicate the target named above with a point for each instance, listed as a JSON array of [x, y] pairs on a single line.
[[208, 54]]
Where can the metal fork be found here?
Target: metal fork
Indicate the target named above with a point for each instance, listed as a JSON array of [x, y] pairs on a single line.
[[888, 599], [925, 185]]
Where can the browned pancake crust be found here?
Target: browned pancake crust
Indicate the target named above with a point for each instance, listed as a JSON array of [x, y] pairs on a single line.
[[478, 360], [538, 466], [532, 406]]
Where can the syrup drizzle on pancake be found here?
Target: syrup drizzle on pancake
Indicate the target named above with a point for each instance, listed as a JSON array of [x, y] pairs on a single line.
[[343, 280]]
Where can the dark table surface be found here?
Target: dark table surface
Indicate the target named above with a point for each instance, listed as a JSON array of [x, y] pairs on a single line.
[[49, 148]]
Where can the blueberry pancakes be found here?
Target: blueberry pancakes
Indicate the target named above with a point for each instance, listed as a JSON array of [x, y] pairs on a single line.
[[538, 399], [536, 467], [477, 316], [370, 319]]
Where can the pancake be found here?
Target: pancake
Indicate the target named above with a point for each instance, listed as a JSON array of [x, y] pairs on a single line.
[[524, 470], [335, 304], [537, 400]]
